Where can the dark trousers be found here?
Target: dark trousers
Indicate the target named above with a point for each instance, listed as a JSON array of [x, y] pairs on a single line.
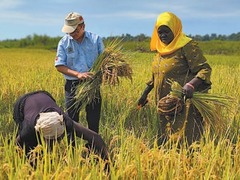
[[93, 110]]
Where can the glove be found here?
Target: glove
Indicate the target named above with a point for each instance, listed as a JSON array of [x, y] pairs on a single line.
[[143, 99], [189, 88]]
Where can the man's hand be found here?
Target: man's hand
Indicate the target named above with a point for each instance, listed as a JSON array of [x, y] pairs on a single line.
[[84, 75]]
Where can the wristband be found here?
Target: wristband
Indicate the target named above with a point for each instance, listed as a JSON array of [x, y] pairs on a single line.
[[190, 85]]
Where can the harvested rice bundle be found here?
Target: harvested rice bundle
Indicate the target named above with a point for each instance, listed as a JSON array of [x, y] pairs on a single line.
[[109, 66], [87, 91], [114, 64], [207, 104]]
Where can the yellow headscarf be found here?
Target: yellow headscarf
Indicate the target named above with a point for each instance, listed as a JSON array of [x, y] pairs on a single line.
[[174, 23]]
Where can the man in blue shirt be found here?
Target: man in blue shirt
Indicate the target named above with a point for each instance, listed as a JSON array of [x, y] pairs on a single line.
[[76, 53]]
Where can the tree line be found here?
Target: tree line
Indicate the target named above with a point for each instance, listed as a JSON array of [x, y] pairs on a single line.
[[207, 37], [47, 42]]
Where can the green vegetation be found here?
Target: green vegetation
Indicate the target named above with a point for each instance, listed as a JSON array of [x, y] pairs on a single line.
[[211, 44], [129, 133], [34, 42], [217, 47]]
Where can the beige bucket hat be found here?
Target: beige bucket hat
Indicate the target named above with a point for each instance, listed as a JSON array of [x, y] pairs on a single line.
[[72, 20]]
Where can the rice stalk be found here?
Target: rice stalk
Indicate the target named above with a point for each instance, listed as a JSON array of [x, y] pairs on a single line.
[[209, 105], [107, 69], [87, 91], [114, 63]]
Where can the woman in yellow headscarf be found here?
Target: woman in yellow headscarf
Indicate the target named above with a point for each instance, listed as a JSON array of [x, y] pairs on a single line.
[[178, 59]]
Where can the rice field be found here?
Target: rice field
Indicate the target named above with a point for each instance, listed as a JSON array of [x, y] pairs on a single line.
[[129, 133]]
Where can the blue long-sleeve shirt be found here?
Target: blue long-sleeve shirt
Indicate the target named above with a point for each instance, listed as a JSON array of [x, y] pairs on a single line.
[[79, 56]]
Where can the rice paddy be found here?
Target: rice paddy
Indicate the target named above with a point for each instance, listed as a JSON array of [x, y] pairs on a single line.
[[129, 132]]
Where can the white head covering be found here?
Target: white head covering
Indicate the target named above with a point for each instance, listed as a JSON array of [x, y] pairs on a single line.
[[50, 124]]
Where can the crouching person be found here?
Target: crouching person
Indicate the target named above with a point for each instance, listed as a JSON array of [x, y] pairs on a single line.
[[37, 113]]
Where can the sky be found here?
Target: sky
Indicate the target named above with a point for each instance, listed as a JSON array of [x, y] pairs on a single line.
[[20, 18]]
